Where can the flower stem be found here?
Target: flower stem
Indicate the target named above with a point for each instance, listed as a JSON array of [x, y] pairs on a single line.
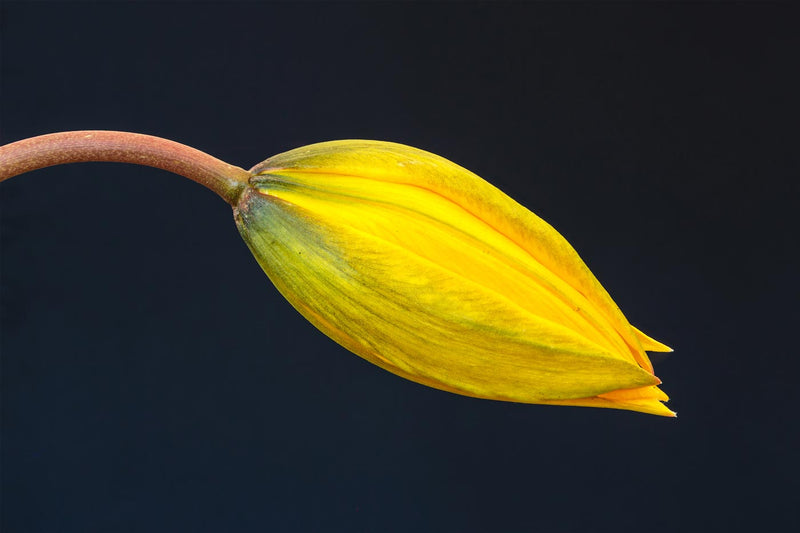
[[19, 157]]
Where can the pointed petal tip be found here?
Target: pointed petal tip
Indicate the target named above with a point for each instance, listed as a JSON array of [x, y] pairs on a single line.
[[649, 344], [648, 400], [667, 412], [626, 400], [654, 346], [655, 408]]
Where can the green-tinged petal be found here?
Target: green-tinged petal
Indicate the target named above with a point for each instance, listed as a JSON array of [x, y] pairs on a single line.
[[411, 315]]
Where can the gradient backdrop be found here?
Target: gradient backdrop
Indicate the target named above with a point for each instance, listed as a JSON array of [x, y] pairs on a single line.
[[153, 379]]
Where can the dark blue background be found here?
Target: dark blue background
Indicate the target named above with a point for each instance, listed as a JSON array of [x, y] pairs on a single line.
[[153, 380]]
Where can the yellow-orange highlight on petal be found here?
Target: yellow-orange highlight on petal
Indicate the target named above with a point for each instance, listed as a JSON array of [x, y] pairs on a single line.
[[425, 269]]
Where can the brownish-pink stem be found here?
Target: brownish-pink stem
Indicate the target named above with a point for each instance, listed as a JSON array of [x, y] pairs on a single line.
[[19, 157]]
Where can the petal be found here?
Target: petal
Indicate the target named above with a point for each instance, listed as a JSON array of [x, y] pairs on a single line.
[[399, 164], [335, 261]]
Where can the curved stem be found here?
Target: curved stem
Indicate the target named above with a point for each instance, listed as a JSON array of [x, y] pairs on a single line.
[[19, 157]]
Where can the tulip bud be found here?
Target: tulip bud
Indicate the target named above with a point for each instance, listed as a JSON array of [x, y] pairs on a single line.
[[426, 270]]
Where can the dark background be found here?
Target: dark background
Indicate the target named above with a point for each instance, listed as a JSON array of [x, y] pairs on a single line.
[[154, 380]]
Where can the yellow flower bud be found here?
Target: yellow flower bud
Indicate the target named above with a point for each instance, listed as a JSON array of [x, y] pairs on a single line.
[[426, 270]]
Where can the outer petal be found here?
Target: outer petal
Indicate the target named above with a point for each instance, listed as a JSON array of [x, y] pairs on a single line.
[[415, 318]]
